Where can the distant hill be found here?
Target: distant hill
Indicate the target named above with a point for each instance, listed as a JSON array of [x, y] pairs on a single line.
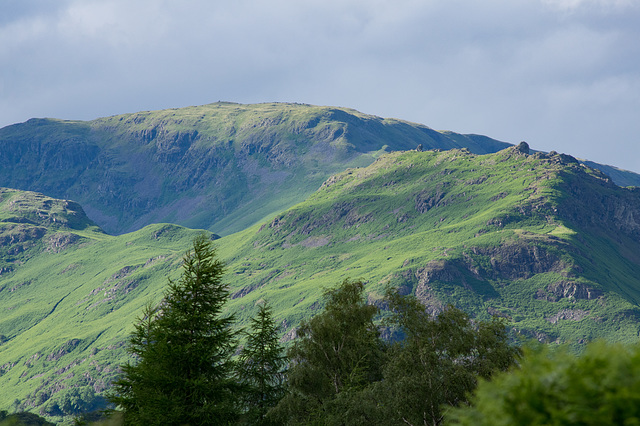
[[540, 239], [220, 167], [619, 176]]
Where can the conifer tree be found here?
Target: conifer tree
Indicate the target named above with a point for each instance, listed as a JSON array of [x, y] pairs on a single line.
[[261, 367], [183, 348]]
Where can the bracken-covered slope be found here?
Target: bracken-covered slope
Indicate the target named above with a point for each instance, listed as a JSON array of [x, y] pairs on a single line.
[[221, 167], [542, 240]]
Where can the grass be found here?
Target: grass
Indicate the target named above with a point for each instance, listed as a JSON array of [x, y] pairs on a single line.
[[93, 294], [377, 250]]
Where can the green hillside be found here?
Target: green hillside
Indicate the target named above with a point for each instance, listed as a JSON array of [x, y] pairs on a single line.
[[68, 296], [540, 239], [220, 167]]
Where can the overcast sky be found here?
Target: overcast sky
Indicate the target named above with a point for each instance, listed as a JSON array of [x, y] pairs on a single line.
[[563, 75]]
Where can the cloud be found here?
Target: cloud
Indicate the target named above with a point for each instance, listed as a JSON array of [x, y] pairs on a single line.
[[599, 5], [561, 74]]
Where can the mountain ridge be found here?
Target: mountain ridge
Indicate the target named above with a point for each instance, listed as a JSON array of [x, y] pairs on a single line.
[[179, 165], [134, 169]]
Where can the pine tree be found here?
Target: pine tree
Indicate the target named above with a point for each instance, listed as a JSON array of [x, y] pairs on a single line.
[[183, 348], [261, 367]]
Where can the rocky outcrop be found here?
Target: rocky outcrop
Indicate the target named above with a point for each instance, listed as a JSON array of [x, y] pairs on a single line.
[[346, 213], [568, 290], [63, 350], [17, 235], [523, 147], [428, 199], [517, 260], [33, 208], [480, 268], [568, 314], [438, 270], [591, 200], [61, 240]]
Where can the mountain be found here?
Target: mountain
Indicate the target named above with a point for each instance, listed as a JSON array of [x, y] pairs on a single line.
[[221, 167], [619, 176], [540, 239]]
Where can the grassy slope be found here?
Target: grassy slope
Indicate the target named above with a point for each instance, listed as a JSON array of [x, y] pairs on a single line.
[[493, 234], [491, 243], [69, 294], [221, 166], [65, 329]]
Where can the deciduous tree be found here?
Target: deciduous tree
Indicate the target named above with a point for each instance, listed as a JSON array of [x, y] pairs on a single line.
[[438, 362], [337, 350], [553, 386]]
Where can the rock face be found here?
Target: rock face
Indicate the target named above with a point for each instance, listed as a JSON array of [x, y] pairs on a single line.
[[568, 290], [600, 204], [523, 147]]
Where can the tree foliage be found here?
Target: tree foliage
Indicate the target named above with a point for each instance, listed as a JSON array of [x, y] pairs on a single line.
[[438, 361], [184, 371], [336, 351], [436, 364], [340, 370], [22, 419], [261, 367], [342, 373], [601, 386]]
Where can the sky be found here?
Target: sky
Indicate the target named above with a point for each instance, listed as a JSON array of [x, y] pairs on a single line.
[[562, 75]]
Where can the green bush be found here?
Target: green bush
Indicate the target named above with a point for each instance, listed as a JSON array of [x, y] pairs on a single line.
[[553, 386]]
